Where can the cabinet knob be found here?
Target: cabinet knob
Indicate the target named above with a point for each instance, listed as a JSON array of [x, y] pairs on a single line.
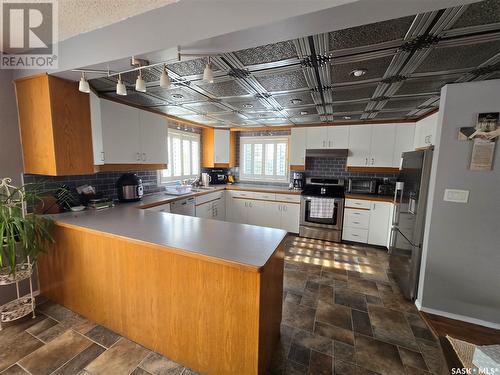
[[102, 155], [144, 156], [373, 160], [366, 161], [138, 156]]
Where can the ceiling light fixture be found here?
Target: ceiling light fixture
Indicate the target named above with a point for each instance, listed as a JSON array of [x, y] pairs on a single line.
[[359, 72], [84, 86], [177, 96], [247, 105], [296, 101], [164, 78], [303, 113], [120, 87], [140, 85], [347, 117], [208, 73]]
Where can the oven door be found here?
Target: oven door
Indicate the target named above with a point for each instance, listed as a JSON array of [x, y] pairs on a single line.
[[334, 222]]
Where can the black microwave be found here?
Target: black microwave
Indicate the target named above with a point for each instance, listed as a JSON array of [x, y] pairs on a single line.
[[361, 186]]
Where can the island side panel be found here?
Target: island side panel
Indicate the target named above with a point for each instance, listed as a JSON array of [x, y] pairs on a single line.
[[271, 303], [202, 314]]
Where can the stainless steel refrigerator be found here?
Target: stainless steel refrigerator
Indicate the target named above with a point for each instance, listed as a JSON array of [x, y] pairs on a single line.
[[410, 200]]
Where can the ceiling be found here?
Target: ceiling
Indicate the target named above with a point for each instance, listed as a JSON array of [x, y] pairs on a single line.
[[308, 80]]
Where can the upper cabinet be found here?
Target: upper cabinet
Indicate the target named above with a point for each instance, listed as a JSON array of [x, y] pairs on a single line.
[[404, 141], [298, 149], [54, 120], [425, 131], [360, 138], [219, 148], [327, 137]]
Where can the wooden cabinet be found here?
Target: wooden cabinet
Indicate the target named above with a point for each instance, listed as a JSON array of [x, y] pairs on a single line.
[[403, 143], [360, 137], [298, 149], [219, 148], [327, 137], [54, 120]]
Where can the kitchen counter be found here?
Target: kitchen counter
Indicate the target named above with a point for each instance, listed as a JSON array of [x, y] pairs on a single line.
[[369, 197]]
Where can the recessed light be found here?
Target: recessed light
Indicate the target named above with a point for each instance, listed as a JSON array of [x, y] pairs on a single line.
[[359, 72], [296, 101], [347, 117], [247, 105], [303, 113], [177, 96]]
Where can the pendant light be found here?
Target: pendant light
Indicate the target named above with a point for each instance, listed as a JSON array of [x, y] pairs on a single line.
[[208, 73], [140, 85], [164, 78], [83, 86], [120, 87]]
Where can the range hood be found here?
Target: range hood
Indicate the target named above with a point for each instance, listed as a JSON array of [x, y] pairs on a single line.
[[326, 153]]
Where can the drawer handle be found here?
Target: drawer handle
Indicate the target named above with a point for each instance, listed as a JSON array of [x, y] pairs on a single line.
[[355, 235], [356, 213], [356, 222]]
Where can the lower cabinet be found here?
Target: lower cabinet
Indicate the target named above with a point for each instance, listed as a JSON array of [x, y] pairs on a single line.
[[367, 222], [211, 206]]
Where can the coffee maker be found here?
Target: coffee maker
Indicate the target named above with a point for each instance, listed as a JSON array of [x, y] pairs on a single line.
[[298, 180]]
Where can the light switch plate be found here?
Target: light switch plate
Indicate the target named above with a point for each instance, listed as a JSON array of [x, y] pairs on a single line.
[[457, 196]]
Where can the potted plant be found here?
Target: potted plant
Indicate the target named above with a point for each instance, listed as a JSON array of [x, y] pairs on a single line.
[[23, 236]]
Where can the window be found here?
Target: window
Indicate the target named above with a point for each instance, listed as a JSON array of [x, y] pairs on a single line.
[[183, 157], [264, 158]]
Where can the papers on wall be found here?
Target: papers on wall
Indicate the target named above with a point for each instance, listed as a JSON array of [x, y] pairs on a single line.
[[482, 155]]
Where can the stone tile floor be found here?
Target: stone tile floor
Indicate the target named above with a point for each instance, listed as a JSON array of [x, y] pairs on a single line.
[[342, 314]]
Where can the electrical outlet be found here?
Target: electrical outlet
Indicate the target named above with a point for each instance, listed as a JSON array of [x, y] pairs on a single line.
[[457, 196]]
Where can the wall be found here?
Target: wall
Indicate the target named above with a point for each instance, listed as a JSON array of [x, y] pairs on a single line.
[[460, 276]]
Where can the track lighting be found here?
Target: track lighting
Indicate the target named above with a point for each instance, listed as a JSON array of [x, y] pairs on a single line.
[[140, 85], [164, 78], [84, 86], [208, 73], [120, 87]]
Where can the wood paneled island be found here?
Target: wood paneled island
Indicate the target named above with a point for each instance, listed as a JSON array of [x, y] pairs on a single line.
[[216, 309]]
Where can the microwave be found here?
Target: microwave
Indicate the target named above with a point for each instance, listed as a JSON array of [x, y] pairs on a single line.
[[361, 186]]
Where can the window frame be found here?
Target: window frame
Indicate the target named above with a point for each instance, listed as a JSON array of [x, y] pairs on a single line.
[[264, 140], [183, 136]]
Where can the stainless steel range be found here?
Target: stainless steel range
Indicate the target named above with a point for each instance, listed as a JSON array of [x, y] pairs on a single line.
[[327, 225]]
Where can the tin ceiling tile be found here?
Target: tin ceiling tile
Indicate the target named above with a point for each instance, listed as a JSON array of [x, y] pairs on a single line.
[[201, 119], [375, 68], [351, 117], [206, 107], [276, 121], [349, 107], [174, 110], [306, 111], [405, 103], [311, 119], [292, 100], [233, 117], [428, 85], [481, 13], [136, 98], [392, 115], [223, 89], [190, 67], [262, 115], [268, 53], [247, 105], [370, 34], [103, 84], [177, 95], [148, 74], [283, 81], [449, 58], [353, 93]]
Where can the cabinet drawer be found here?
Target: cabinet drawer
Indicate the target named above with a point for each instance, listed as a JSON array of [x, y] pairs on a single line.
[[209, 197], [357, 203], [241, 194], [265, 196], [288, 198], [355, 234], [356, 218]]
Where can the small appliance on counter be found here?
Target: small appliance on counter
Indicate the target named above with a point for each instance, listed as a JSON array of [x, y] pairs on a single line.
[[298, 180], [218, 176], [361, 186], [230, 179], [129, 188], [386, 188], [205, 179]]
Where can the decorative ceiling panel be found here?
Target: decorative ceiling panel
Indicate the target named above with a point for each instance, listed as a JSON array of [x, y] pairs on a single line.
[[292, 112], [206, 107], [190, 67], [481, 13], [174, 110], [311, 119], [283, 81], [405, 103], [262, 115], [103, 84], [375, 68], [299, 98], [370, 34], [202, 119], [223, 89], [391, 115], [353, 93], [268, 53], [177, 95], [459, 57], [247, 105], [417, 86], [277, 121], [351, 117], [349, 107], [136, 98], [148, 74]]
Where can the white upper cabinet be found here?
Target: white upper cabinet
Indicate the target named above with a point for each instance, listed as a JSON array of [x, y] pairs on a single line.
[[382, 145], [154, 133], [96, 124], [327, 137], [298, 147], [404, 141], [338, 136], [360, 137], [425, 131], [317, 137], [221, 146]]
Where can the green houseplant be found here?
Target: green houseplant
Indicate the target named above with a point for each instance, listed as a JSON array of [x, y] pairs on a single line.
[[23, 236]]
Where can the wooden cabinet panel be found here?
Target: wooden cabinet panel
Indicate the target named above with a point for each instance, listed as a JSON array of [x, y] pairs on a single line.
[[219, 148]]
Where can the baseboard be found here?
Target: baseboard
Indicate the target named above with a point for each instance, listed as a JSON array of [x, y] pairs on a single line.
[[457, 316]]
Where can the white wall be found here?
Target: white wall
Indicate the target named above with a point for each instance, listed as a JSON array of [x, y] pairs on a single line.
[[460, 275]]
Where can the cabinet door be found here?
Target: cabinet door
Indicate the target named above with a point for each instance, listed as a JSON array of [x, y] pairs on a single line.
[[338, 136], [96, 124], [317, 137], [219, 209], [221, 146], [120, 133], [290, 217], [239, 210], [264, 214], [153, 138], [205, 210], [380, 217], [382, 145], [298, 147], [404, 141], [359, 145]]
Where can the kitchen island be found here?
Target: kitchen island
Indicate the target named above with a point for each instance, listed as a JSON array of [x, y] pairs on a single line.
[[204, 293]]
